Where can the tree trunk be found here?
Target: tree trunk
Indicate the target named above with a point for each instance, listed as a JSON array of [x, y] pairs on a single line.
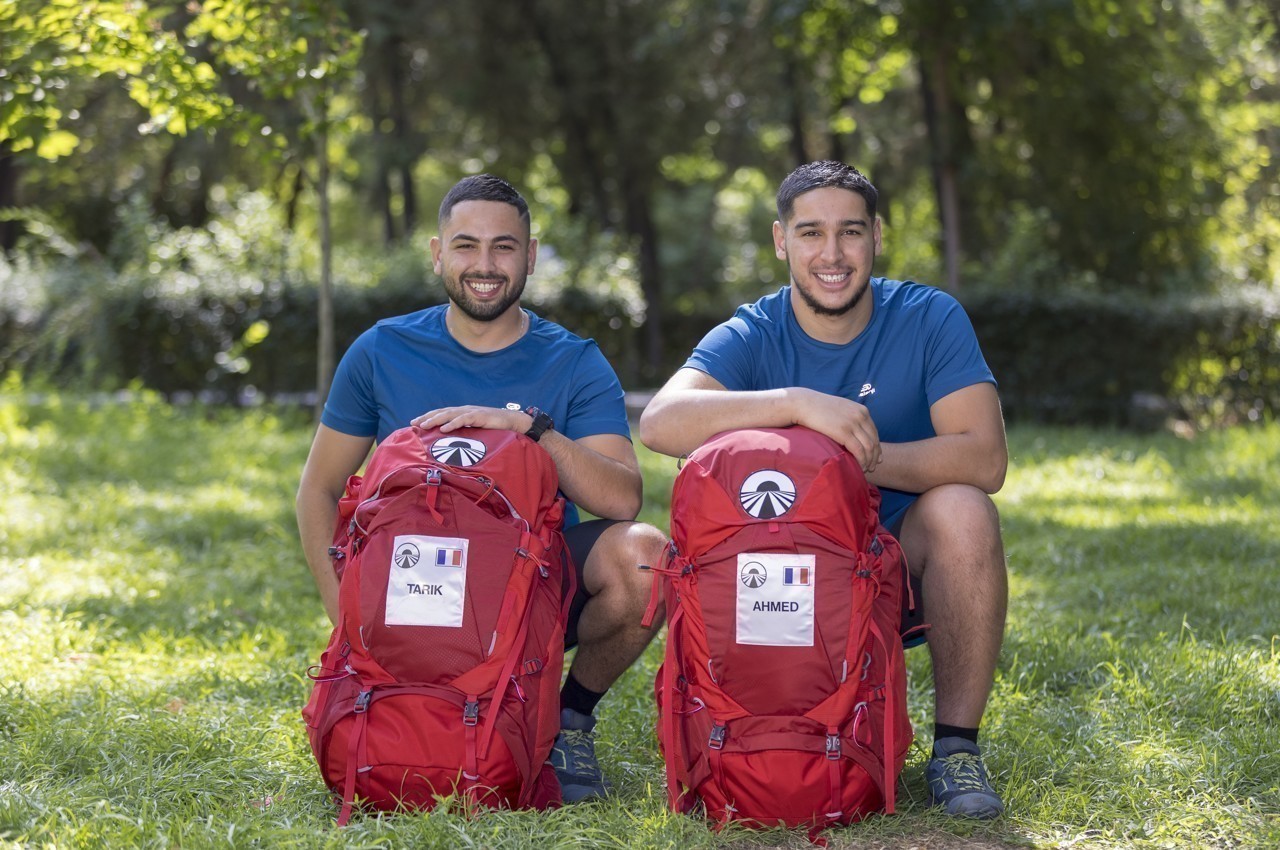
[[795, 110], [405, 158], [641, 227], [325, 359], [11, 229], [938, 118]]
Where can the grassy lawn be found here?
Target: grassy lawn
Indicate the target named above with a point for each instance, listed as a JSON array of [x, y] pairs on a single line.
[[158, 622]]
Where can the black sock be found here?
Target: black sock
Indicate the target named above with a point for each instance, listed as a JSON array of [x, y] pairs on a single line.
[[574, 695], [942, 730]]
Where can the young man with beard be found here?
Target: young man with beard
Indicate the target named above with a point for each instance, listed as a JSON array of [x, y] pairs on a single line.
[[483, 361], [893, 372]]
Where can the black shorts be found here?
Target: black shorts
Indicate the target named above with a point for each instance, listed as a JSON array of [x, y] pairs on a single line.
[[580, 539], [912, 618]]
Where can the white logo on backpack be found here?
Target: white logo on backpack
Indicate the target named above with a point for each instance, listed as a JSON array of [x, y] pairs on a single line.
[[775, 599], [427, 581]]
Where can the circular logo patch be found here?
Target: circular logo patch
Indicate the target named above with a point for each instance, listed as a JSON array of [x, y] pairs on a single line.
[[767, 493], [753, 574], [458, 451], [406, 556]]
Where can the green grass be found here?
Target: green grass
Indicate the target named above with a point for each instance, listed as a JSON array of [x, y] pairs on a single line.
[[158, 619]]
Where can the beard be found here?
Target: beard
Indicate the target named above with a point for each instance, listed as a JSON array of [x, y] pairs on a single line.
[[822, 309], [483, 311]]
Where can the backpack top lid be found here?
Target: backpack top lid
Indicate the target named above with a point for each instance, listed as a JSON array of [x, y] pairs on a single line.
[[522, 469], [786, 475]]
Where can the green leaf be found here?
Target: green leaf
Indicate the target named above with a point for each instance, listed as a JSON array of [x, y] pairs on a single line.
[[57, 144]]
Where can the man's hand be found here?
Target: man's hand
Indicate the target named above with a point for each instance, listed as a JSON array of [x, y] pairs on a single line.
[[693, 406], [473, 416], [845, 421]]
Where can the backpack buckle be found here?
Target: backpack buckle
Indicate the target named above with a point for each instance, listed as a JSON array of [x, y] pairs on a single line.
[[876, 546], [362, 702], [833, 746], [433, 477], [533, 666], [716, 740], [470, 713]]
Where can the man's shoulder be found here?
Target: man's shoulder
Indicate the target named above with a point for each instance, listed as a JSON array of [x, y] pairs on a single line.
[[423, 319], [548, 332], [909, 298], [909, 291]]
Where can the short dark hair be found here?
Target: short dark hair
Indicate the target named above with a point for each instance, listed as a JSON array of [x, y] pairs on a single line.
[[822, 175], [482, 187]]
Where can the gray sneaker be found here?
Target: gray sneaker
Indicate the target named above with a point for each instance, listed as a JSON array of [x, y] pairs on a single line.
[[574, 758], [958, 781]]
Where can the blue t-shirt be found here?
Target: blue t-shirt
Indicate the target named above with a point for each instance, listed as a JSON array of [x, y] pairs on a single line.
[[918, 347], [407, 365]]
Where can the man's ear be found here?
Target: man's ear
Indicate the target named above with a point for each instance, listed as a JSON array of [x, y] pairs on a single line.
[[435, 254], [533, 256], [779, 240]]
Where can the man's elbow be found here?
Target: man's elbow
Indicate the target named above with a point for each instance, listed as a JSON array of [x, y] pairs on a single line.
[[657, 430], [994, 474], [624, 507]]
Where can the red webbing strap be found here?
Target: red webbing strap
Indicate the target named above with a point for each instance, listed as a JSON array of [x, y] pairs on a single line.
[[715, 744], [433, 493], [471, 765], [835, 775], [889, 782], [656, 587], [355, 757], [675, 752], [515, 657]]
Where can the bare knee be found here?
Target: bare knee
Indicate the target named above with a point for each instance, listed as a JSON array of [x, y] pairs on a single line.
[[615, 564], [954, 522]]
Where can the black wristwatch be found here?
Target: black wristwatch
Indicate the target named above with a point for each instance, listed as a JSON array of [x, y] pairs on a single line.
[[542, 423]]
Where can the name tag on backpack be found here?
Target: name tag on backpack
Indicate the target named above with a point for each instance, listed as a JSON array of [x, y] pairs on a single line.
[[775, 599], [427, 582]]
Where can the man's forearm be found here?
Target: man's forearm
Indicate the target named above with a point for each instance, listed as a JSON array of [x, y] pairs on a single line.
[[945, 459], [675, 423], [604, 487], [316, 514]]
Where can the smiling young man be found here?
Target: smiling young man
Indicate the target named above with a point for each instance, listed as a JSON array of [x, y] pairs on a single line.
[[893, 372], [483, 361]]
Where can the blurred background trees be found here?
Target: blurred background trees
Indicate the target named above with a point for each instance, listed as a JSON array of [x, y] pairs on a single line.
[[166, 172]]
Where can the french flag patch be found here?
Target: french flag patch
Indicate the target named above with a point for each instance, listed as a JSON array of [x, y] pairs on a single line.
[[446, 557], [796, 575]]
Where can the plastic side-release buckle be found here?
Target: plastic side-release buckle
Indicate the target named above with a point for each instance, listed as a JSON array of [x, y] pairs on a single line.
[[876, 546], [833, 746], [470, 713], [433, 477], [362, 702], [716, 740]]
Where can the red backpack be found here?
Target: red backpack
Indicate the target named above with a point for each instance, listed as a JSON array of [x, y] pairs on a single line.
[[442, 675], [783, 693]]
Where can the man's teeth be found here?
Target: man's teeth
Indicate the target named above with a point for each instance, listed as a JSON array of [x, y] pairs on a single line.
[[831, 278], [484, 288]]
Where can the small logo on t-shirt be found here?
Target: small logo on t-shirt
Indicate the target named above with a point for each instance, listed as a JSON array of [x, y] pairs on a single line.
[[866, 390]]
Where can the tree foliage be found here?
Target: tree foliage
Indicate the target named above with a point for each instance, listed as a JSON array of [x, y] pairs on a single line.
[[1025, 145]]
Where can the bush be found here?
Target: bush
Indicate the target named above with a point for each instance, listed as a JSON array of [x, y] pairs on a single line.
[[221, 315], [1128, 361]]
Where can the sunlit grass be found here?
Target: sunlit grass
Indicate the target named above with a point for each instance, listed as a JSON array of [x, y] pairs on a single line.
[[159, 620]]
